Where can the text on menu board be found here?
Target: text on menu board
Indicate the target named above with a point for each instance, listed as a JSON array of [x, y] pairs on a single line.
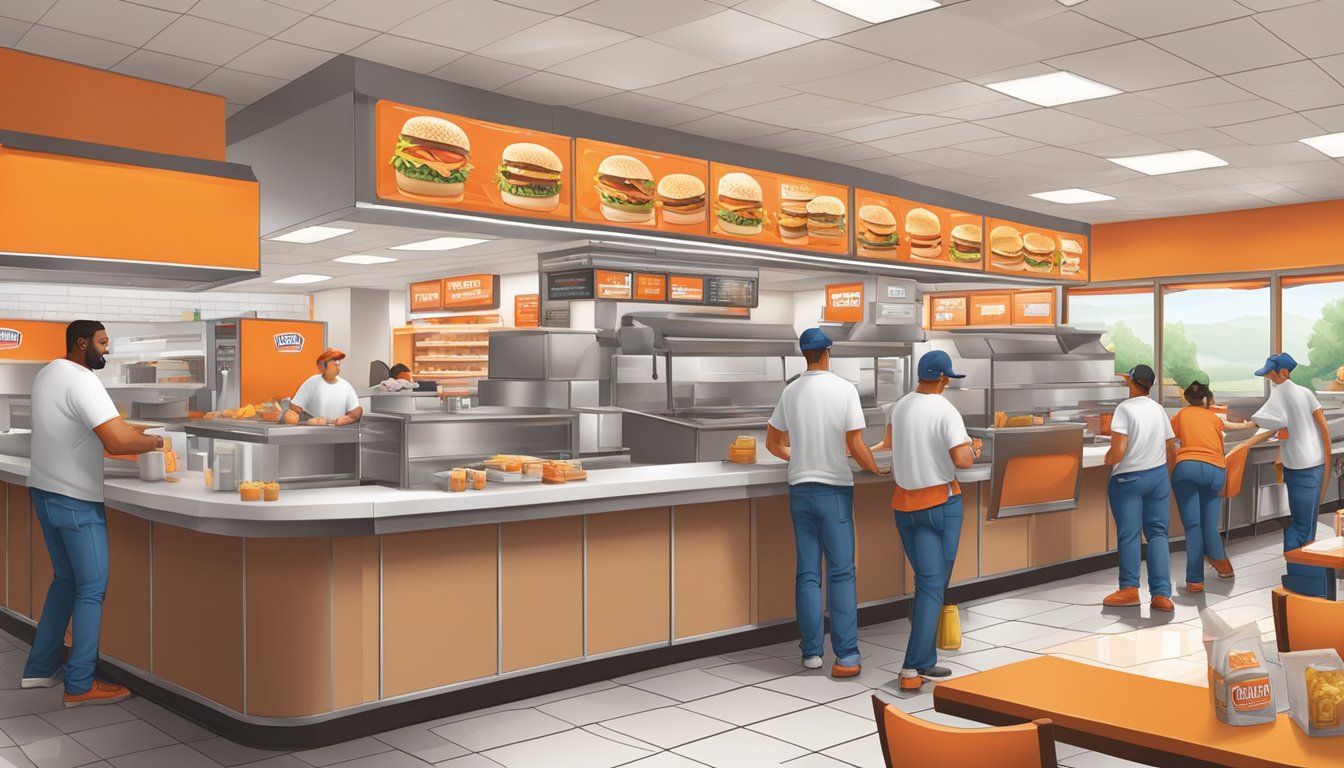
[[730, 291], [464, 292], [527, 310], [573, 285], [844, 303]]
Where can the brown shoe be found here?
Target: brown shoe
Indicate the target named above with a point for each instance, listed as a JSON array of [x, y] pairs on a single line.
[[1223, 567], [1122, 598], [1162, 603], [1194, 586], [100, 693], [840, 670]]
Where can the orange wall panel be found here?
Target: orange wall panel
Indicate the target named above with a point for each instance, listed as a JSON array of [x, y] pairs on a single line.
[[37, 340], [4, 542], [541, 589], [879, 559], [354, 620], [19, 561], [288, 627], [126, 609], [713, 567], [270, 372], [629, 579], [774, 556]]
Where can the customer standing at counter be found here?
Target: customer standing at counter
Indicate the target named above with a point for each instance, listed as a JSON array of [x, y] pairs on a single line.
[[74, 421], [1198, 481], [1142, 452], [818, 417], [928, 444], [325, 396]]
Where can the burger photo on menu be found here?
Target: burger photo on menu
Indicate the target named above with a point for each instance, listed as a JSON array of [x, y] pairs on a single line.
[[740, 208], [826, 218], [1038, 252], [966, 244], [876, 236], [1005, 249], [529, 177], [682, 198], [793, 217], [625, 187], [432, 158], [925, 233], [1070, 256]]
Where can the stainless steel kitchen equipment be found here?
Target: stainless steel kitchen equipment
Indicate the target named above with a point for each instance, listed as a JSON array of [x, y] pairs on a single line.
[[156, 368], [1041, 464], [297, 455], [16, 425], [543, 368]]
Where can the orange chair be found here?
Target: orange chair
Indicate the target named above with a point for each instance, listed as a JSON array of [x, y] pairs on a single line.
[[1303, 623], [1236, 473], [916, 742]]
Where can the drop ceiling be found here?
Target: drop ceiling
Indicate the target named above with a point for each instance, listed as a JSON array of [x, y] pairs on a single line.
[[1241, 79]]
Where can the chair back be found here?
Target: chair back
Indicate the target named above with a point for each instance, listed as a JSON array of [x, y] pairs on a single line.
[[1236, 471], [378, 373], [1304, 623], [910, 741]]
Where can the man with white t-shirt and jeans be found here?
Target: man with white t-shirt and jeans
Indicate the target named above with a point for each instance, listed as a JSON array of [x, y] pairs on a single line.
[[818, 417], [74, 421], [325, 396]]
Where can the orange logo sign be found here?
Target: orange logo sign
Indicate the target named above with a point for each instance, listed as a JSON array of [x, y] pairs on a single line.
[[1251, 694], [1242, 660], [844, 303]]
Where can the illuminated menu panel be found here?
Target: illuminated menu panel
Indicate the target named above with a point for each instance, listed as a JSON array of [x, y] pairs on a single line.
[[730, 291], [628, 187], [613, 286], [889, 228], [650, 287], [1029, 251], [684, 289], [573, 285], [753, 206]]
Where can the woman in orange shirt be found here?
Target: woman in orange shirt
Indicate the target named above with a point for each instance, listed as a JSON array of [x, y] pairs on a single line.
[[1197, 481]]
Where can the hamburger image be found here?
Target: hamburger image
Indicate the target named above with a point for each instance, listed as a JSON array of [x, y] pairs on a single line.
[[876, 231], [682, 198], [925, 232], [740, 209], [1005, 249], [529, 177], [793, 200], [1070, 256], [965, 244], [432, 158], [625, 187], [826, 217], [1039, 252]]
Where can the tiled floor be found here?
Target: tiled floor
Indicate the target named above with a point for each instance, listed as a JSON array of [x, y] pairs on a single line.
[[753, 708]]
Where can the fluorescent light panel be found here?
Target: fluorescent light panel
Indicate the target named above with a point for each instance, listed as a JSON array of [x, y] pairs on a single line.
[[1072, 196], [303, 279], [311, 235], [362, 259], [1054, 89], [438, 244], [878, 11], [1170, 162], [1331, 144]]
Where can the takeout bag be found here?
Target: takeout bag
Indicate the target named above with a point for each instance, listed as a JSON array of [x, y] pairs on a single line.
[[1315, 690], [1238, 678]]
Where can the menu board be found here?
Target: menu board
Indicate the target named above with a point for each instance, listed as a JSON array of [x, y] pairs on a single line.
[[990, 309], [730, 291], [649, 287], [435, 158], [471, 292], [1034, 308], [1030, 251], [577, 284], [765, 208], [844, 303], [888, 228], [684, 289], [612, 286], [636, 188], [947, 311], [427, 296], [527, 310]]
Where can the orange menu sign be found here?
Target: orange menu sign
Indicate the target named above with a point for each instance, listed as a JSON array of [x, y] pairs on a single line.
[[990, 309], [435, 158], [1034, 308], [630, 187], [36, 340], [612, 285], [888, 228], [1029, 251], [844, 303], [471, 292], [527, 310], [947, 311], [427, 296], [771, 209], [686, 289], [650, 287]]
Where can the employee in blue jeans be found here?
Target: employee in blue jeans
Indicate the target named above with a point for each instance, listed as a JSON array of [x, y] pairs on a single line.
[[818, 417]]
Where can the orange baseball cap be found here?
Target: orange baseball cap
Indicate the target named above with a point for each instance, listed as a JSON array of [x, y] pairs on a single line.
[[331, 354]]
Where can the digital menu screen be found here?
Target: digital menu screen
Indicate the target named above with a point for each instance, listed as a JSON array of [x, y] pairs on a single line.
[[888, 228], [629, 187], [730, 291], [1029, 251], [684, 289], [650, 287], [574, 285], [752, 206], [613, 286]]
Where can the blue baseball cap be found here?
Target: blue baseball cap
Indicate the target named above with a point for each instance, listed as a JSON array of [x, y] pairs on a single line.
[[1281, 361], [936, 364], [1142, 374], [814, 338]]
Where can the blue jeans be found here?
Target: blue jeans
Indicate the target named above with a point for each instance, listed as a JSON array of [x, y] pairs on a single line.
[[76, 534], [1142, 500], [1304, 505], [823, 523], [1196, 485], [930, 538]]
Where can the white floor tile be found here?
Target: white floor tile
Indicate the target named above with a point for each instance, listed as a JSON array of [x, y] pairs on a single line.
[[171, 724], [597, 729], [1068, 616], [994, 657], [469, 761], [747, 705], [1047, 641], [59, 752], [687, 685], [13, 757], [571, 749], [817, 728], [1009, 633], [225, 752], [819, 688], [970, 621], [1015, 608], [740, 749], [1098, 760], [669, 727], [391, 759], [708, 661], [664, 760], [861, 753], [123, 738], [756, 671], [344, 751], [28, 728], [489, 731], [815, 761], [605, 705], [176, 756], [894, 640], [84, 718], [419, 742]]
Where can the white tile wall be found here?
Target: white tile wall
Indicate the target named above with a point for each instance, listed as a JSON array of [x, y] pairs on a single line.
[[40, 301]]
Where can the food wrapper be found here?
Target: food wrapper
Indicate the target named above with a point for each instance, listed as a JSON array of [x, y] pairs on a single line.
[[1238, 678], [1315, 690]]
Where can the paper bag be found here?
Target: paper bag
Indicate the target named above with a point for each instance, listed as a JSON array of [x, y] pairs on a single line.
[[1238, 678]]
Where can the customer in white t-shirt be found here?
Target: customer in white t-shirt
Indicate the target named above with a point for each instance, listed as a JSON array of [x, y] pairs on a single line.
[[1142, 453], [325, 396], [819, 419], [74, 422]]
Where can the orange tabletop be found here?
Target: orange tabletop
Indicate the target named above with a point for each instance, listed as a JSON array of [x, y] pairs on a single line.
[[1331, 558], [1136, 718]]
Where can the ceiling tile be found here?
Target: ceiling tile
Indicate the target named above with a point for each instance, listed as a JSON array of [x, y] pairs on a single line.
[[1146, 18], [806, 16], [945, 179], [382, 15], [108, 20], [557, 7], [203, 40], [1124, 105], [1329, 189], [274, 58], [950, 157], [853, 154], [407, 54], [1050, 126], [162, 68], [480, 72], [255, 15], [1200, 93], [788, 140], [998, 108], [551, 42], [176, 6], [11, 30], [547, 88], [1143, 186], [25, 10], [1271, 5], [645, 17], [1198, 138], [1123, 146], [810, 148], [307, 6], [1298, 86], [1215, 115], [1274, 130], [705, 83], [59, 44], [1330, 119], [727, 128], [1274, 193], [943, 98], [1013, 73], [729, 37], [1057, 33], [1003, 145], [1211, 179], [1062, 159], [326, 35], [1232, 46], [643, 63], [873, 84], [1130, 66], [1333, 66], [1243, 156], [633, 106], [1318, 170], [807, 63], [938, 137], [927, 39], [468, 25], [895, 127], [1312, 29], [730, 99], [899, 167], [238, 87], [813, 112]]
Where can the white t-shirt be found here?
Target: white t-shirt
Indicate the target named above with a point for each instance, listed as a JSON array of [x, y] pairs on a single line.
[[329, 401], [68, 401], [1145, 423], [817, 410], [1290, 406], [924, 428]]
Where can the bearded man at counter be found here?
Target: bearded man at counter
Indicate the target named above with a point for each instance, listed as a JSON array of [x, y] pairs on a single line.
[[325, 396]]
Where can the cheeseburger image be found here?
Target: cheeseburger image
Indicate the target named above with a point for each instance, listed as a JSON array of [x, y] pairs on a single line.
[[682, 198], [876, 234], [793, 200], [1070, 256], [529, 177], [625, 187], [925, 233], [431, 158], [1038, 252], [1005, 249], [965, 244], [826, 218], [740, 209]]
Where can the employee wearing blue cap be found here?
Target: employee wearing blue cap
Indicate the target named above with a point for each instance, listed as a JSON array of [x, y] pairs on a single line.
[[928, 442], [817, 418], [1305, 456]]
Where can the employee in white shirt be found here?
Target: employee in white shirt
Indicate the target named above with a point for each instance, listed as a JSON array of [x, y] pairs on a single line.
[[1142, 453], [1306, 461], [928, 442], [818, 417], [325, 396]]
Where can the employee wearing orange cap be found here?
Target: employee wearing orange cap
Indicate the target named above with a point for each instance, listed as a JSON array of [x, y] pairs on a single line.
[[325, 396]]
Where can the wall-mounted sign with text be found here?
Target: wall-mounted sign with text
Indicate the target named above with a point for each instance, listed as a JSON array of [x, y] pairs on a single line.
[[527, 310], [427, 296], [455, 294], [844, 303]]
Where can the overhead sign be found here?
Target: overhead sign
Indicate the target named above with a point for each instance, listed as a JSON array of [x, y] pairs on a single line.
[[684, 289], [764, 208], [10, 338], [649, 287], [1029, 251], [730, 291], [427, 296], [629, 187], [527, 310], [844, 303], [471, 292], [889, 228], [613, 286], [569, 286]]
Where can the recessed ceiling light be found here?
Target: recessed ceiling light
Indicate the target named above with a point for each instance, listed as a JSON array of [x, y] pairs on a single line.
[[878, 11], [438, 244], [362, 259], [303, 279], [1054, 89], [311, 235], [1170, 162], [1072, 196], [1331, 144]]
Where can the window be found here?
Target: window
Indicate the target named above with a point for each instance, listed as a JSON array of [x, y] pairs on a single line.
[[1313, 329], [1126, 316], [1217, 333]]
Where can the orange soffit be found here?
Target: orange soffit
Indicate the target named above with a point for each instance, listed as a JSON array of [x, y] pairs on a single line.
[[32, 340], [844, 303]]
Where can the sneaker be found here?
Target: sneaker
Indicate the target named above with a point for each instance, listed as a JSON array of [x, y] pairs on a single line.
[[840, 670], [1223, 567], [812, 662], [1194, 586], [912, 681], [1162, 603], [44, 682], [936, 671], [1122, 598], [100, 693]]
